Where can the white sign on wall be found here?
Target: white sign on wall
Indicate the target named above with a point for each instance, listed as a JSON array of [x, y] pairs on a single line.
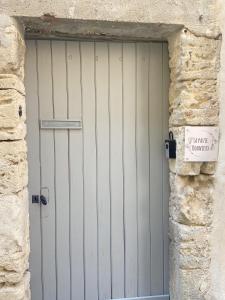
[[201, 143]]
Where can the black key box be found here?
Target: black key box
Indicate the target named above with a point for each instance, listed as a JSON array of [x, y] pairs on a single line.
[[170, 146]]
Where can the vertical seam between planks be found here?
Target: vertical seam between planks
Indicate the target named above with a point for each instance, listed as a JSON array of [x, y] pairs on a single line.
[[149, 149], [39, 134], [96, 158], [53, 108], [124, 230], [166, 169], [69, 169], [110, 187], [163, 124], [82, 109], [136, 162]]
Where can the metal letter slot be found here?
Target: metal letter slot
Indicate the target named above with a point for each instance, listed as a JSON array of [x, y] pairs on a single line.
[[60, 124]]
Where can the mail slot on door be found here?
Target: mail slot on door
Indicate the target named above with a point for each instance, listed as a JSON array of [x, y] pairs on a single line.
[[170, 146]]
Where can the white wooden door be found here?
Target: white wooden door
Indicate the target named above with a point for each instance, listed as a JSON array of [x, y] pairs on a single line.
[[103, 233]]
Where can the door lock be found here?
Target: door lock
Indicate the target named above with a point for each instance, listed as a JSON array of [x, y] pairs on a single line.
[[43, 200]]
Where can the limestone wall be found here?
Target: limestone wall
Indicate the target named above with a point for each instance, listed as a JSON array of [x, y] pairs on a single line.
[[197, 15], [196, 223], [14, 217], [218, 232], [194, 65]]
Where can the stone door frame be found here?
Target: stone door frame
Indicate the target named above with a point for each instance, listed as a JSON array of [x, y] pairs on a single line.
[[193, 100]]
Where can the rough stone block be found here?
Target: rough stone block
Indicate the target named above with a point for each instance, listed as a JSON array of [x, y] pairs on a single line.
[[14, 241], [189, 284], [12, 48], [19, 291], [190, 257], [194, 65], [208, 168], [191, 199], [183, 233], [13, 166], [193, 94], [11, 102], [193, 57], [194, 117], [194, 103], [17, 133], [10, 81], [189, 247], [12, 153]]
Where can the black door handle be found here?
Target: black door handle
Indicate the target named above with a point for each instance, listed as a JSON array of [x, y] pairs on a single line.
[[43, 200]]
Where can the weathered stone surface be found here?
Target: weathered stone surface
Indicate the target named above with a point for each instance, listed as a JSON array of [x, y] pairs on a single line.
[[183, 233], [189, 261], [13, 166], [194, 63], [191, 199], [11, 102], [10, 81], [189, 284], [206, 116], [12, 48], [208, 168], [19, 291], [191, 255], [193, 57], [12, 126], [194, 94], [198, 15], [14, 230], [11, 134], [194, 102], [14, 216]]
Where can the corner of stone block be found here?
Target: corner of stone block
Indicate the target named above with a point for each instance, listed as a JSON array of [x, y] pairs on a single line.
[[208, 168]]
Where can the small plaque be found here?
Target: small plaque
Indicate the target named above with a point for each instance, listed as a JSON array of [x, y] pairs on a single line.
[[201, 143]]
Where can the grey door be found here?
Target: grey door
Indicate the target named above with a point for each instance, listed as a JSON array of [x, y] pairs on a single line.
[[103, 233]]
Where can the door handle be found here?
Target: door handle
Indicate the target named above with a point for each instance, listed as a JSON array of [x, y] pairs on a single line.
[[43, 200]]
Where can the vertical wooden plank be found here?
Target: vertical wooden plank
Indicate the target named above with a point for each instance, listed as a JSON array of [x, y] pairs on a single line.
[[47, 170], [61, 171], [34, 168], [165, 89], [143, 170], [75, 173], [156, 153], [130, 209], [89, 144], [117, 236], [103, 188]]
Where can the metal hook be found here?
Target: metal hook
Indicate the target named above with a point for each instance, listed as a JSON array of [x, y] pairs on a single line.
[[171, 135]]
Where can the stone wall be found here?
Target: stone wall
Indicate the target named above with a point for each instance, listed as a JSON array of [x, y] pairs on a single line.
[[194, 65], [14, 220], [218, 230], [197, 15]]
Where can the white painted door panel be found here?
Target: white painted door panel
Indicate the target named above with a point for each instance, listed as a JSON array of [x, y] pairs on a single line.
[[103, 233]]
